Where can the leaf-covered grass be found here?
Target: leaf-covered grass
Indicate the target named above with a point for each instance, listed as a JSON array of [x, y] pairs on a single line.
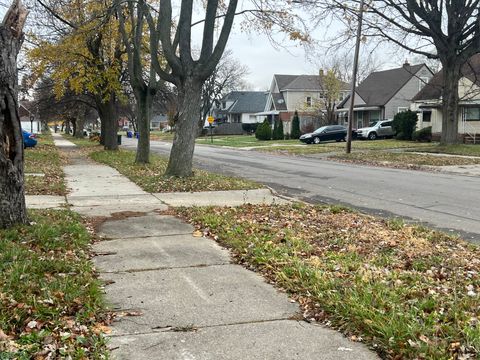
[[408, 292], [82, 142], [161, 136], [459, 149], [403, 159], [44, 159], [241, 141], [51, 303], [151, 179]]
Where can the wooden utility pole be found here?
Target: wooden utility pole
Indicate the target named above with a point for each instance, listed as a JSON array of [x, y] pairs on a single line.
[[354, 79]]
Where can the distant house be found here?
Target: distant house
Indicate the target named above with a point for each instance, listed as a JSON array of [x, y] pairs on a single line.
[[302, 93], [158, 121], [428, 103], [385, 93], [241, 107]]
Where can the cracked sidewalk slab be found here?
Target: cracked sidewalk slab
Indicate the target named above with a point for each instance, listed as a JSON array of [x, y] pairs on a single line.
[[136, 254], [202, 296], [284, 339], [144, 226]]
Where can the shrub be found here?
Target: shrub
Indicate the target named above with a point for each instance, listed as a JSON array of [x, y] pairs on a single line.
[[264, 131], [404, 124], [250, 128], [423, 135], [295, 133], [287, 136], [278, 130]]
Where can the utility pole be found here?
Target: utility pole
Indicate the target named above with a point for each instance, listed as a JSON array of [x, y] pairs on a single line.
[[354, 79]]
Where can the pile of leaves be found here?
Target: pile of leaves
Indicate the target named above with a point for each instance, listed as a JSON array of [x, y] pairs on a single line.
[[151, 177], [51, 302], [403, 160], [46, 160], [406, 291]]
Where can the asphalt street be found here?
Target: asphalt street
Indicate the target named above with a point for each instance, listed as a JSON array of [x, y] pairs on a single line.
[[444, 201]]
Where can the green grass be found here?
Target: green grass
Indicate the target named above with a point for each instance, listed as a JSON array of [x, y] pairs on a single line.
[[82, 142], [158, 135], [460, 149], [403, 159], [242, 141], [50, 297], [409, 292], [151, 179], [44, 159]]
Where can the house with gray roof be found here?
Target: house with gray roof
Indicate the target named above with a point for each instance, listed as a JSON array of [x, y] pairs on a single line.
[[241, 107], [385, 93], [302, 93], [428, 103]]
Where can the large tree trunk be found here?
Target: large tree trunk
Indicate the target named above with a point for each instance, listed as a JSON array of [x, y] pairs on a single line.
[[80, 124], [451, 72], [144, 111], [181, 155], [12, 192], [107, 111]]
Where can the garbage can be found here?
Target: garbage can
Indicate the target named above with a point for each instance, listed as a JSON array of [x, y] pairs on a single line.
[[119, 139], [129, 134], [137, 135]]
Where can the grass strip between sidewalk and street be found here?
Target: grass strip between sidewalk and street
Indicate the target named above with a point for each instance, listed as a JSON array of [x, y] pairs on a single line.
[[406, 291], [403, 159], [151, 177], [51, 302], [45, 162]]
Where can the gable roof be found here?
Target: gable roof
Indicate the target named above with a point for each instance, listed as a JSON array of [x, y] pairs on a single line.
[[302, 82], [279, 102], [246, 101], [433, 90], [380, 86]]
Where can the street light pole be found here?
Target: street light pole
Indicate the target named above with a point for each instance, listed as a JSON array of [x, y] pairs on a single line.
[[354, 79]]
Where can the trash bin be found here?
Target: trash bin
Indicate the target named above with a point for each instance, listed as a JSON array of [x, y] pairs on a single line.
[[119, 139], [137, 135], [129, 134]]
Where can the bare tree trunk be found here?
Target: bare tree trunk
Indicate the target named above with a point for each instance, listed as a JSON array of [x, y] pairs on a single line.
[[107, 111], [181, 155], [144, 111], [67, 126], [12, 191], [450, 104], [80, 124]]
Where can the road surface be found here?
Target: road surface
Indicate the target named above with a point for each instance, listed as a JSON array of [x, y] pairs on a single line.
[[444, 201]]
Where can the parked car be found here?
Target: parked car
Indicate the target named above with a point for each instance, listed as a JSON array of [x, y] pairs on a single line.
[[29, 139], [325, 133], [378, 129]]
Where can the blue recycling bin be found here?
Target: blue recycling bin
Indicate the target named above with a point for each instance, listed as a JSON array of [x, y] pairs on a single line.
[[137, 135], [129, 134]]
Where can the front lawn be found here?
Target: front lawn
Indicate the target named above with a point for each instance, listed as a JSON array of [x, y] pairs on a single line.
[[151, 179], [242, 141], [43, 168], [459, 149], [406, 291], [51, 302]]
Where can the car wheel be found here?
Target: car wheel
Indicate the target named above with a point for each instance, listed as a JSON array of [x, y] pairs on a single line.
[[316, 140], [372, 136]]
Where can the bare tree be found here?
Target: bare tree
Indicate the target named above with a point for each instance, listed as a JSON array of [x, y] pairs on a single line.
[[228, 76], [12, 193], [446, 30]]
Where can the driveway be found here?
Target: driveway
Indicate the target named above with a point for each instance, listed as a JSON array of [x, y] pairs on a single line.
[[444, 201]]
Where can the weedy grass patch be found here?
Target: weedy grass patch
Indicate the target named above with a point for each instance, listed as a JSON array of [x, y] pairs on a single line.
[[151, 177], [51, 302], [46, 162], [407, 291]]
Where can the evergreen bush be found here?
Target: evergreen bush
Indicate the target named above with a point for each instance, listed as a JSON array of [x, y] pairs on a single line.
[[295, 132], [264, 131], [404, 124]]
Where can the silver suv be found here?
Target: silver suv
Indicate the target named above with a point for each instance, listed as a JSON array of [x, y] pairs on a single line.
[[378, 129]]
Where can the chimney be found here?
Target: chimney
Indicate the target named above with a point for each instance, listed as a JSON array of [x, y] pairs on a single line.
[[407, 64], [321, 72]]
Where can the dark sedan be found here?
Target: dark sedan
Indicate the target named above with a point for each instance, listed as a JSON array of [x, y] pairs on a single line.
[[325, 133]]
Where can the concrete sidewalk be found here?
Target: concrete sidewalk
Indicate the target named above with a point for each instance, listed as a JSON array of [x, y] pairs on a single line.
[[178, 296]]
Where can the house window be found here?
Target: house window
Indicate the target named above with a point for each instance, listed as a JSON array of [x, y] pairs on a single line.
[[422, 81], [374, 116], [359, 119], [427, 116], [402, 109], [309, 101], [472, 114]]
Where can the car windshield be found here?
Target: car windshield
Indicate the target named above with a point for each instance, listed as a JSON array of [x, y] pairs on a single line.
[[375, 123], [319, 130]]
